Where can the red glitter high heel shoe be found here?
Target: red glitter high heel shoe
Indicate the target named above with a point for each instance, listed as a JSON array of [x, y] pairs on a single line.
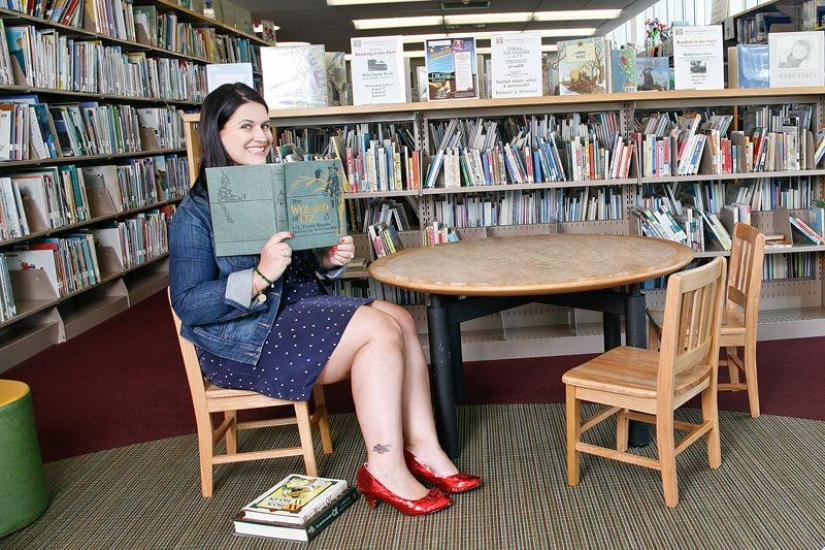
[[374, 491], [456, 483]]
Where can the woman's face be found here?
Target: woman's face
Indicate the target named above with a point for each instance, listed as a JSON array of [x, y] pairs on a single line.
[[246, 135]]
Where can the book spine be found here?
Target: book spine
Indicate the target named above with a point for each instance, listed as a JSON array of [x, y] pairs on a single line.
[[325, 518]]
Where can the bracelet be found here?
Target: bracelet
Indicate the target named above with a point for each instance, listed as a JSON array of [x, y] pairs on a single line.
[[264, 277]]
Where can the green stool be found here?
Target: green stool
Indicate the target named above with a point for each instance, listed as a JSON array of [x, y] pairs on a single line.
[[23, 496]]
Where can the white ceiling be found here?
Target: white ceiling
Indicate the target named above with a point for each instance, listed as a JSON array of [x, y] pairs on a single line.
[[313, 21]]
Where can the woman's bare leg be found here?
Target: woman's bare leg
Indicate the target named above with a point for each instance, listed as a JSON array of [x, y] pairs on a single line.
[[420, 434], [371, 353]]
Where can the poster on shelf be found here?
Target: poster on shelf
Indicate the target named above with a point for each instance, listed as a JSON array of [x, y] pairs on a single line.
[[698, 58], [378, 70], [516, 65], [218, 74], [451, 68], [795, 59]]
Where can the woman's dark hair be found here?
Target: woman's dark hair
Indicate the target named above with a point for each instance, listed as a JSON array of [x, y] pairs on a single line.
[[217, 108]]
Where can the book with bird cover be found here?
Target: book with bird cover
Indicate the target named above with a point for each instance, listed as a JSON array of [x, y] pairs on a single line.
[[250, 203], [295, 499]]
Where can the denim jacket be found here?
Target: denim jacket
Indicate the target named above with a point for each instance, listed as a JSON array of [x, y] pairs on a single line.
[[213, 295]]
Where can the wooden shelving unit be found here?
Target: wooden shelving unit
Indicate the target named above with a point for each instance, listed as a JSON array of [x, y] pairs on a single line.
[[43, 319], [790, 309]]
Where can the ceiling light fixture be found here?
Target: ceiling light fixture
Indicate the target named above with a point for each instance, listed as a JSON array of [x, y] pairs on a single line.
[[397, 22], [368, 2], [482, 18], [573, 15]]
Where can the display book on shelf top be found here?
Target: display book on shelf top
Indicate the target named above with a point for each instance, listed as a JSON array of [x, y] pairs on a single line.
[[45, 316], [626, 104]]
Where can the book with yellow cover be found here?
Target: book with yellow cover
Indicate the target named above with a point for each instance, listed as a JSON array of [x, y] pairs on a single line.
[[295, 499]]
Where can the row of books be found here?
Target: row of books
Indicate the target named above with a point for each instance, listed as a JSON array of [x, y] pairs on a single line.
[[49, 59], [30, 130], [528, 207], [80, 260], [298, 508], [689, 228], [790, 266], [55, 197], [8, 308]]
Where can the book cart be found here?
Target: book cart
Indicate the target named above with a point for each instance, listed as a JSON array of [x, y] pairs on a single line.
[[168, 40], [790, 307]]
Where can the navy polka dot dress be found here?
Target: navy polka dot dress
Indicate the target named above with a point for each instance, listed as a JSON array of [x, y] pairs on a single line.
[[307, 329]]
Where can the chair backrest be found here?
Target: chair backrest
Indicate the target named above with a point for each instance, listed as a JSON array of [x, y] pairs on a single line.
[[197, 383], [692, 318], [745, 272]]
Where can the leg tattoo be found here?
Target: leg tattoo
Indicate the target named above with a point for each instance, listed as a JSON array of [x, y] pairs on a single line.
[[381, 449]]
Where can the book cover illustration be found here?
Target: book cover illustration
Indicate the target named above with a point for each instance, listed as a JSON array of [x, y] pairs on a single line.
[[753, 65], [337, 85], [796, 59], [294, 76], [251, 203], [652, 74], [452, 71], [295, 499], [292, 494], [583, 66], [624, 69]]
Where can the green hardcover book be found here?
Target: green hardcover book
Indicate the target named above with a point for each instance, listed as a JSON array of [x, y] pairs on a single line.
[[251, 203]]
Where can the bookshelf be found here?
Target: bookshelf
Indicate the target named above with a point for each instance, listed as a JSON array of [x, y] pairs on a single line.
[[791, 308], [140, 74]]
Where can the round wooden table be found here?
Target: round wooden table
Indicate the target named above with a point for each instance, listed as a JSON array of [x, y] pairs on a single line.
[[471, 279]]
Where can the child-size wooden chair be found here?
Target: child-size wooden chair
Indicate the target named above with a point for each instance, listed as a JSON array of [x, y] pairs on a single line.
[[740, 318], [208, 398], [648, 386]]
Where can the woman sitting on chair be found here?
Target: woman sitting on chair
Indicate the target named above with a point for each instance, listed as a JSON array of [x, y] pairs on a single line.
[[265, 323]]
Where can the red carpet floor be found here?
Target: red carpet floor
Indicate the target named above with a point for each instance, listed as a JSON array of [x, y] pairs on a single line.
[[123, 383]]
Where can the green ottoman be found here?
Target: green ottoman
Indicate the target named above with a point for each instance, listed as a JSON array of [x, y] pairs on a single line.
[[23, 496]]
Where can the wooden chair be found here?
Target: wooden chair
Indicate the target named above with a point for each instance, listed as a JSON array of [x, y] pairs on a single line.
[[208, 398], [648, 386], [740, 316]]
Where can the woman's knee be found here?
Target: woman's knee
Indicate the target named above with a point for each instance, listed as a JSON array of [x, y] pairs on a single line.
[[401, 316], [381, 327]]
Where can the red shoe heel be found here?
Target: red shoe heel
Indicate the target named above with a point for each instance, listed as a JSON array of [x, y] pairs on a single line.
[[371, 500], [374, 492], [456, 483]]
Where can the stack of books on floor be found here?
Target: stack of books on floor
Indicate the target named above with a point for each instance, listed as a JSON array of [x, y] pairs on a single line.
[[297, 508]]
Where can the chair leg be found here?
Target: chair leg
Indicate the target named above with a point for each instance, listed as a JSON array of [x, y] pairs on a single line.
[[305, 433], [665, 440], [749, 352], [622, 424], [573, 436], [206, 450], [323, 418], [652, 336], [710, 413], [232, 432], [733, 370]]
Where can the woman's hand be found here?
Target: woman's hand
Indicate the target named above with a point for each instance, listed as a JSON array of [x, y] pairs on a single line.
[[340, 254], [275, 257]]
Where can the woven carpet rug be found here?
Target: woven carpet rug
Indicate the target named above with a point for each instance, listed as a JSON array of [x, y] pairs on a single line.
[[767, 494]]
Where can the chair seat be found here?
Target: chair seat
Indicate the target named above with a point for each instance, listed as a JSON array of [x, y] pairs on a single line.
[[630, 371], [733, 320], [214, 391]]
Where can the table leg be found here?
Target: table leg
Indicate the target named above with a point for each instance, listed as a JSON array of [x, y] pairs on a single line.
[[612, 326], [457, 361], [636, 336], [446, 420]]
